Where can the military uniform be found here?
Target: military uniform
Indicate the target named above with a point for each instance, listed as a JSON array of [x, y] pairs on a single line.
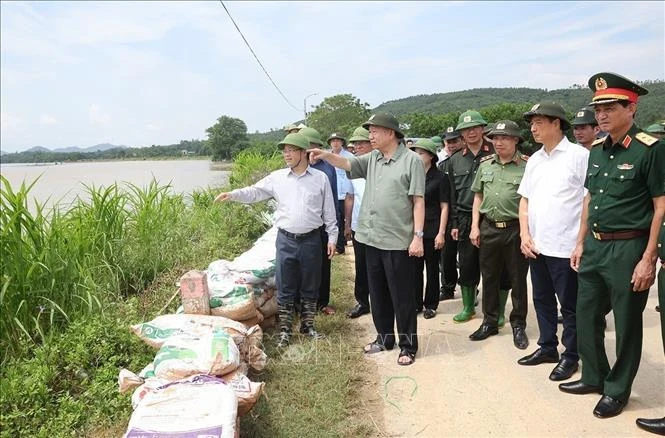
[[623, 177]]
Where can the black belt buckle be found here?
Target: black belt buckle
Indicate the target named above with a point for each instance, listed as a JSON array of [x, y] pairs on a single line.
[[298, 236]]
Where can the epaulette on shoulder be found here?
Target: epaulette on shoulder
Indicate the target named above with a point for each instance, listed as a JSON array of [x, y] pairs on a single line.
[[645, 138], [598, 141], [485, 158]]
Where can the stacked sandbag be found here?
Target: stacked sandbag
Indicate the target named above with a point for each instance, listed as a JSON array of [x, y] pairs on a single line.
[[200, 405], [194, 293]]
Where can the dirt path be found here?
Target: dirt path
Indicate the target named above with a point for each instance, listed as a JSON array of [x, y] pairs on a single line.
[[462, 388]]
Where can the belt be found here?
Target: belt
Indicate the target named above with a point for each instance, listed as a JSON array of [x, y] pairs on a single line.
[[301, 235], [503, 224], [619, 235]]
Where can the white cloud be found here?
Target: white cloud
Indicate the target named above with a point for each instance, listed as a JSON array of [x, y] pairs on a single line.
[[97, 117], [45, 119]]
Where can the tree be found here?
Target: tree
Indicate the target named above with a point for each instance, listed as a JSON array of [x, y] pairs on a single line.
[[226, 137], [340, 113]]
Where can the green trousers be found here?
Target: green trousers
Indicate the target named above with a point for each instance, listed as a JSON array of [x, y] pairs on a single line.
[[604, 281]]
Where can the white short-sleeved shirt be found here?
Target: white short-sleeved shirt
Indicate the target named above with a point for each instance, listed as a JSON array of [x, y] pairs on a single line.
[[358, 190], [554, 187]]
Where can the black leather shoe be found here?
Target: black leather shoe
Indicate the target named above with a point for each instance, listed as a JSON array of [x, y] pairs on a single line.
[[520, 339], [540, 356], [446, 295], [609, 407], [579, 387], [429, 313], [358, 311], [483, 332], [656, 425], [564, 370]]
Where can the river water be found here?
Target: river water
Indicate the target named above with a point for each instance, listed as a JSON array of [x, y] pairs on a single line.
[[61, 183]]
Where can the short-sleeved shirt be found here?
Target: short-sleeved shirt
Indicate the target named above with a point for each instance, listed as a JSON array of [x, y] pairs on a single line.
[[498, 182], [461, 169], [343, 184], [554, 186], [622, 178], [358, 191], [386, 213], [437, 190]]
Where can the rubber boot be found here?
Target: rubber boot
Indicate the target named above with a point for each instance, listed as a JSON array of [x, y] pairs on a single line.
[[285, 314], [307, 320], [468, 298], [503, 298]]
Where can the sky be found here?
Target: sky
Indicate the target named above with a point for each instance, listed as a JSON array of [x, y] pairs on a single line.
[[143, 73]]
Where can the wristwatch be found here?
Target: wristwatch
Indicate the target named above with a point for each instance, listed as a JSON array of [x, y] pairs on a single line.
[[419, 234]]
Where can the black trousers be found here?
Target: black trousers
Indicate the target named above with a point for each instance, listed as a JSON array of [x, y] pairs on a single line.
[[360, 288], [431, 262], [324, 289], [297, 268], [390, 279], [553, 277], [341, 240], [448, 266], [500, 251]]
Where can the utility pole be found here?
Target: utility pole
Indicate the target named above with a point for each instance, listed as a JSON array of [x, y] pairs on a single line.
[[304, 104]]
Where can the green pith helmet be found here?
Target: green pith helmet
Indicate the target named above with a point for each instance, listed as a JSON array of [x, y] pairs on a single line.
[[290, 127], [384, 120], [451, 133], [506, 127], [585, 116], [610, 87], [551, 109], [428, 145], [312, 135], [295, 139], [437, 141], [338, 136], [656, 128], [488, 128], [469, 119], [360, 134]]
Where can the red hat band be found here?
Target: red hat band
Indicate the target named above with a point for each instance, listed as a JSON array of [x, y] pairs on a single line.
[[616, 93]]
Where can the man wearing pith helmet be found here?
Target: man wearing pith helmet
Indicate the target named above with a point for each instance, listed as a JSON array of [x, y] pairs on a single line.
[[552, 191], [304, 204], [337, 142], [461, 169], [615, 255], [585, 127], [391, 225], [495, 230]]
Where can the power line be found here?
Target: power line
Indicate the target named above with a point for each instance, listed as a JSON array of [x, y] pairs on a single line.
[[257, 58]]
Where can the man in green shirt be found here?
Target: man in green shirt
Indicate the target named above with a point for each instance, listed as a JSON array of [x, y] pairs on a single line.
[[390, 224], [495, 230], [615, 254]]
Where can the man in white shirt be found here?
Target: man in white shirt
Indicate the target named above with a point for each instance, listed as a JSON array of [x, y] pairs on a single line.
[[304, 203], [337, 143], [552, 191]]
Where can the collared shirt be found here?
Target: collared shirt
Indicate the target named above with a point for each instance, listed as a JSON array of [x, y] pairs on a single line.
[[461, 169], [498, 183], [622, 179], [554, 186], [304, 202], [343, 183], [386, 213], [437, 190], [358, 191], [331, 173], [443, 155]]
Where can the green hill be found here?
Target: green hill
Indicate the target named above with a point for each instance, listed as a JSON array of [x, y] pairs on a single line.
[[651, 107]]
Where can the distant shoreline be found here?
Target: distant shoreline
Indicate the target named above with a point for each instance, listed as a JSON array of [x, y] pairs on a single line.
[[214, 165]]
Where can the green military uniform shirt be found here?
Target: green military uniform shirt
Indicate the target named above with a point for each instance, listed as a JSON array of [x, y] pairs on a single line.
[[498, 183], [622, 178], [461, 169], [386, 213]]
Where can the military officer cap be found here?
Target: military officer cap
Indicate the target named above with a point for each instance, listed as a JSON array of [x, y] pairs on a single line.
[[506, 127], [384, 120], [312, 135], [656, 128], [428, 145], [294, 139], [437, 141], [469, 119], [336, 135], [451, 133], [585, 116], [610, 87], [550, 109], [360, 134]]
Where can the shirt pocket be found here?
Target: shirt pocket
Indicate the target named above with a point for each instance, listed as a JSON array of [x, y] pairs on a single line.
[[592, 182], [622, 183], [487, 177], [462, 180]]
